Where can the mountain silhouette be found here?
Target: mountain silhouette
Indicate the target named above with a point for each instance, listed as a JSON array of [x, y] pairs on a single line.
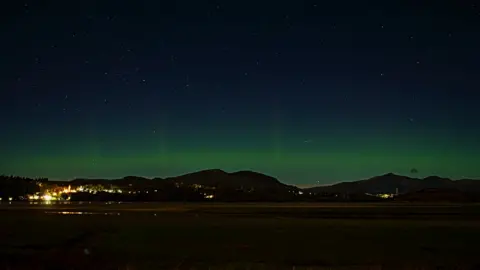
[[208, 178], [245, 180], [390, 183]]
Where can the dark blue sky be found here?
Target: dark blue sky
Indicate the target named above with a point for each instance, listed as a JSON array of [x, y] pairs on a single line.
[[307, 91]]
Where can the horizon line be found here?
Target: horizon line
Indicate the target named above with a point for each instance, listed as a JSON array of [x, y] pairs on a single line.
[[303, 186]]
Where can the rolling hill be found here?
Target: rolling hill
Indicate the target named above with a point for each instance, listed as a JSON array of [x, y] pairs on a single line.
[[389, 183], [208, 178]]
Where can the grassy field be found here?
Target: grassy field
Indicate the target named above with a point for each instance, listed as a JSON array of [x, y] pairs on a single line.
[[239, 236]]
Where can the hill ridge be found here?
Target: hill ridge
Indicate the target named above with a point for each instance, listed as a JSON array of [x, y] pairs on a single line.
[[393, 183]]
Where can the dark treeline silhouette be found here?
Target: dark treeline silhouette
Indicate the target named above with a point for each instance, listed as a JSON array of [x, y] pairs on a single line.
[[15, 186]]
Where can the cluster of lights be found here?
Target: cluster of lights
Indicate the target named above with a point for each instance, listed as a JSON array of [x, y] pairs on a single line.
[[382, 195], [46, 197], [94, 191], [49, 196], [52, 196], [385, 196]]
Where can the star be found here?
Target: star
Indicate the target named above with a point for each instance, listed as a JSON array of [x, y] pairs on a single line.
[[381, 74]]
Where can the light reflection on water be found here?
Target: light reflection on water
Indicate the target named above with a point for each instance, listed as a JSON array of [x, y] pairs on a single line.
[[86, 213], [66, 202], [82, 213]]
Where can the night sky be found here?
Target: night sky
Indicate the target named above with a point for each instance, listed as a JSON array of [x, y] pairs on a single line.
[[311, 92]]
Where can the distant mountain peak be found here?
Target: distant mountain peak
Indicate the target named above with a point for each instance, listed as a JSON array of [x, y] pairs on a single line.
[[131, 177], [212, 171], [434, 177], [217, 178]]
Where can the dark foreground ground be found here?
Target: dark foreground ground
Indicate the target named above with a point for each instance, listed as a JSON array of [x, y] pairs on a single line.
[[239, 236]]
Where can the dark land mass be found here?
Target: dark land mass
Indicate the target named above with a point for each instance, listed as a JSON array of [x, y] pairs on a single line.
[[239, 236], [168, 224], [408, 188], [248, 186], [391, 183]]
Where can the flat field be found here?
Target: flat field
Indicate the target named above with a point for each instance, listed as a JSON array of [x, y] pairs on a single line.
[[239, 236]]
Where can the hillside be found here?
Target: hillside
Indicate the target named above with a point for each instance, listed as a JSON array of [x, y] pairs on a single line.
[[389, 183], [208, 178], [437, 195], [222, 179]]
